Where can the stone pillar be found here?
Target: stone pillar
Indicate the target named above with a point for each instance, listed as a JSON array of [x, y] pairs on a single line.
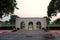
[[34, 25], [17, 23], [43, 25], [26, 25]]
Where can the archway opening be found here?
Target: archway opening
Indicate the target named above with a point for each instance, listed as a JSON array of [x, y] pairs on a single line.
[[22, 25], [30, 25], [38, 25]]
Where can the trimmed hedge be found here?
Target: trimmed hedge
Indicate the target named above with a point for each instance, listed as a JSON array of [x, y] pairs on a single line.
[[53, 28], [7, 27]]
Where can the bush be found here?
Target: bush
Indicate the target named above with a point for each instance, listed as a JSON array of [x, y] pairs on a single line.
[[17, 28], [7, 27], [53, 28]]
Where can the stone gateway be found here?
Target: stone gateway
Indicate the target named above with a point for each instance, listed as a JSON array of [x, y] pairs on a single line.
[[31, 23]]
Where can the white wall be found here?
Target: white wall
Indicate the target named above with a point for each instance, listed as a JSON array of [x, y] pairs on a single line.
[[27, 20]]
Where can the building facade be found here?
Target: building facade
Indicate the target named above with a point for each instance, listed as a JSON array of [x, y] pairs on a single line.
[[30, 23]]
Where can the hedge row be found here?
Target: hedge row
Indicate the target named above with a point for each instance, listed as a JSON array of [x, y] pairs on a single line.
[[53, 28], [7, 27]]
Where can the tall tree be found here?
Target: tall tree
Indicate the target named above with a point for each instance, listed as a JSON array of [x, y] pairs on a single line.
[[6, 22], [7, 7], [13, 19], [57, 21], [53, 8]]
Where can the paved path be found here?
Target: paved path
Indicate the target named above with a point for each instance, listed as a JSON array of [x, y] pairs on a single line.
[[23, 35]]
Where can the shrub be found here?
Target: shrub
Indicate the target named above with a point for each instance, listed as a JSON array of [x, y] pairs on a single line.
[[17, 28]]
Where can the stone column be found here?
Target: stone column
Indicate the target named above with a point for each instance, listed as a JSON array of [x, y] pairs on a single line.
[[17, 23], [26, 25], [43, 25], [34, 25]]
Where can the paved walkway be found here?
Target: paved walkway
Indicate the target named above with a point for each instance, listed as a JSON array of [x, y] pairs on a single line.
[[24, 35]]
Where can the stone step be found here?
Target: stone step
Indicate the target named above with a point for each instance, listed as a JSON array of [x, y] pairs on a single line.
[[30, 31]]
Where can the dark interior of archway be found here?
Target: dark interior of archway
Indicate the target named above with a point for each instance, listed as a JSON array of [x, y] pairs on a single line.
[[30, 23], [39, 25], [22, 25]]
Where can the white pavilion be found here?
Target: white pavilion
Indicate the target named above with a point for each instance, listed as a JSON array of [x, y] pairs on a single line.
[[31, 23]]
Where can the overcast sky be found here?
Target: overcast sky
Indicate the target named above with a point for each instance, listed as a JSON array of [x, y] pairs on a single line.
[[32, 8]]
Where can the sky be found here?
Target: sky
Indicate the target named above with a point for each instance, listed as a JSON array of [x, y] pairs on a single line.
[[32, 8]]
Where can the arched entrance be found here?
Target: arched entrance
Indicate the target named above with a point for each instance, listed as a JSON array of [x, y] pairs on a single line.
[[22, 25], [38, 25], [30, 25]]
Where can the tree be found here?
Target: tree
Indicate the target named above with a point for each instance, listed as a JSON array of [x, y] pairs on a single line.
[[47, 20], [7, 7], [57, 21], [53, 8], [6, 22], [13, 19]]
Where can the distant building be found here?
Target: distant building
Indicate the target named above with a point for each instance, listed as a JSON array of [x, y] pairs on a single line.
[[30, 23]]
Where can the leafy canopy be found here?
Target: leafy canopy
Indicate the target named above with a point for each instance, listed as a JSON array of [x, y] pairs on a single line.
[[7, 7], [53, 8], [13, 19], [57, 21]]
